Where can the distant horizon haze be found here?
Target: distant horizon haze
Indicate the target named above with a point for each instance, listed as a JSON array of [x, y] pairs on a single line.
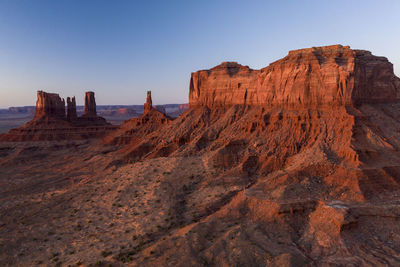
[[123, 48]]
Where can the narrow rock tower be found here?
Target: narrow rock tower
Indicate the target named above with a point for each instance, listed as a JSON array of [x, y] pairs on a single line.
[[90, 105], [149, 103], [71, 109]]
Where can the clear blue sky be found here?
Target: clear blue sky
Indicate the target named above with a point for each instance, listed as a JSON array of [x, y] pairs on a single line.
[[120, 49]]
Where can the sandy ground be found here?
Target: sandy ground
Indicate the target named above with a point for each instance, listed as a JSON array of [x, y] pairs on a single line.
[[60, 210]]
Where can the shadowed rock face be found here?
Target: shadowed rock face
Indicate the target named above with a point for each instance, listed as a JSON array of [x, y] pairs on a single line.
[[90, 105], [329, 75], [71, 109], [49, 105]]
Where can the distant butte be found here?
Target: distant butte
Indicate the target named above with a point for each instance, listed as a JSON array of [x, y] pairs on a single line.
[[53, 122]]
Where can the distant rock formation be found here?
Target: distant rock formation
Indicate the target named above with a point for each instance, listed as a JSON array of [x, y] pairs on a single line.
[[318, 76], [136, 129], [52, 122], [149, 103], [90, 105], [49, 105], [71, 109]]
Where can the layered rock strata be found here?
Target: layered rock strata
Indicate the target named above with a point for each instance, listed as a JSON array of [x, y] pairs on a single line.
[[310, 147], [318, 76], [255, 121]]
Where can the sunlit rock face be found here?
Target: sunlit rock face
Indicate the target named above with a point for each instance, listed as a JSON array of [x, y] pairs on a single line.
[[318, 76], [51, 105], [149, 103]]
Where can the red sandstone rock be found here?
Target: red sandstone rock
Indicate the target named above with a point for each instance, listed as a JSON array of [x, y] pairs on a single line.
[[71, 109], [136, 129], [51, 122], [330, 75], [149, 103], [49, 105], [90, 105]]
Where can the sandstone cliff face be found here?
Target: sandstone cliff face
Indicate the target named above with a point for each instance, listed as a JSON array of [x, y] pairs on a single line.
[[330, 75], [49, 105]]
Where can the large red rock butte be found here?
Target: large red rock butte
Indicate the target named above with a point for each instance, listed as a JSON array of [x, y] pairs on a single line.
[[315, 99], [312, 144], [318, 76]]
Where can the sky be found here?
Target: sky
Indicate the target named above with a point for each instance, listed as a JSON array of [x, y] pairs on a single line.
[[120, 49]]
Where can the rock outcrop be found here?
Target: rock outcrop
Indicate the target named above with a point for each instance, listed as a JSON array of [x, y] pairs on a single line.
[[49, 105], [136, 129], [318, 76], [149, 103], [71, 109], [90, 105], [89, 116]]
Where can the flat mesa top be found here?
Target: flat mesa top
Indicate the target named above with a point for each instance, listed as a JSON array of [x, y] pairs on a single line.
[[329, 48]]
